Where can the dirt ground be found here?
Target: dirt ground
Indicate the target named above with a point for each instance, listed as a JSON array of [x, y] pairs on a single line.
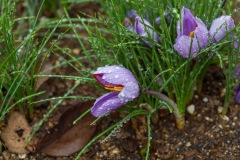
[[208, 135]]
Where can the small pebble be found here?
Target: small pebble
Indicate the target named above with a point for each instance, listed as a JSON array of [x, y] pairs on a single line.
[[205, 99], [223, 92], [235, 118], [76, 51], [226, 118], [220, 126], [188, 144], [209, 119], [22, 156], [220, 109], [196, 96], [191, 109]]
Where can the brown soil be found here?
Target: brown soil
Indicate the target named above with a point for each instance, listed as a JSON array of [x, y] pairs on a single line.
[[208, 135]]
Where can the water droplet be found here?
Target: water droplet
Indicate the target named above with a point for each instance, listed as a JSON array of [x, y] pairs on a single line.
[[116, 76]]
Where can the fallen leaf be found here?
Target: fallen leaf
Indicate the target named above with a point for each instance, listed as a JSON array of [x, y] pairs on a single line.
[[41, 84], [65, 138], [16, 133], [47, 64]]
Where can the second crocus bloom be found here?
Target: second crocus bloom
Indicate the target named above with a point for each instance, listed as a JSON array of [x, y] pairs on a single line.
[[192, 35], [140, 26], [124, 88], [220, 27]]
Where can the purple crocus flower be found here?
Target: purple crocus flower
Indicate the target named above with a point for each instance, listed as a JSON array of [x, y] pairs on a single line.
[[123, 84], [192, 33], [140, 26], [220, 27], [237, 75], [238, 94]]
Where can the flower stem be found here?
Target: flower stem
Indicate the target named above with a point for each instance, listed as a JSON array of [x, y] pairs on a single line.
[[180, 119]]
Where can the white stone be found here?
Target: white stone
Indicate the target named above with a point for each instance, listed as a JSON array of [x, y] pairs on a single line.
[[196, 96], [22, 156], [226, 118], [205, 99], [220, 109], [235, 118], [188, 144], [191, 109]]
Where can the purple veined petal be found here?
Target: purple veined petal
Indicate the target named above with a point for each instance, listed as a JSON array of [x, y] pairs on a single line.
[[144, 28], [237, 74], [106, 103], [142, 25], [236, 43], [157, 21], [238, 94], [182, 46], [220, 26], [132, 14], [201, 34], [114, 75], [130, 91], [188, 22]]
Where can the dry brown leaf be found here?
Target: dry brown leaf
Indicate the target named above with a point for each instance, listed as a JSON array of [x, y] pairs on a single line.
[[65, 138], [47, 64], [16, 133], [41, 84]]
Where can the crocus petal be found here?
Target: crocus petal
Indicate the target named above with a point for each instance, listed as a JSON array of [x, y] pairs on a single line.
[[114, 75], [188, 22], [143, 28], [157, 21], [131, 14], [182, 46], [130, 91], [236, 44], [106, 103], [201, 33], [238, 94], [237, 74], [220, 26]]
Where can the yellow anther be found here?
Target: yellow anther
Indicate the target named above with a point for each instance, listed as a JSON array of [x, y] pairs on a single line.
[[115, 88], [191, 34]]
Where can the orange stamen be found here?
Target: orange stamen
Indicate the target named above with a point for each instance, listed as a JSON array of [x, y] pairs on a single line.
[[191, 34], [114, 88]]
